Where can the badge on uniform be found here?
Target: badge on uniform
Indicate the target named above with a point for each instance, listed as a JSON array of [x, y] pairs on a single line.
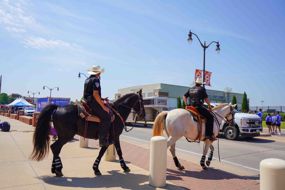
[[97, 84]]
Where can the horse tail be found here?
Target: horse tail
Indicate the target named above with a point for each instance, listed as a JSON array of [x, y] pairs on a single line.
[[41, 134], [158, 124]]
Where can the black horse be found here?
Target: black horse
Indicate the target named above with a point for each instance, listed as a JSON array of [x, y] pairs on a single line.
[[67, 122]]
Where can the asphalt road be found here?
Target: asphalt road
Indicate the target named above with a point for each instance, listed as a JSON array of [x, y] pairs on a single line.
[[246, 153]]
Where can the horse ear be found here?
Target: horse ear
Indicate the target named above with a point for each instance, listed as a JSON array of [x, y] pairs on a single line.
[[234, 105], [140, 92]]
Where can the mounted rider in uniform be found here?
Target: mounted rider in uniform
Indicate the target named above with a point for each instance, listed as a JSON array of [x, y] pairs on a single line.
[[197, 95], [92, 96]]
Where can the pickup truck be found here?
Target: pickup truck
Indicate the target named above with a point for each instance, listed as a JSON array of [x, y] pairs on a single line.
[[244, 125]]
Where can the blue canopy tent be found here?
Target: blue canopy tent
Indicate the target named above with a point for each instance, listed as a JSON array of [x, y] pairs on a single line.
[[20, 102]]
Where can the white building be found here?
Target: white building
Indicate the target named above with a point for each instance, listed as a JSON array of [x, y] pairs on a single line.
[[160, 96]]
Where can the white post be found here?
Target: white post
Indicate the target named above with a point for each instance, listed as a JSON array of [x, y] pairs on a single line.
[[110, 153], [157, 163], [272, 174], [83, 142]]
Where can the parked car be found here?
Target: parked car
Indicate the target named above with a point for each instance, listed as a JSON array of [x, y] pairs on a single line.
[[29, 111]]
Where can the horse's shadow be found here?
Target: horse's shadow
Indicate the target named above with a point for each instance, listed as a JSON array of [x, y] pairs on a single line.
[[209, 174], [114, 179]]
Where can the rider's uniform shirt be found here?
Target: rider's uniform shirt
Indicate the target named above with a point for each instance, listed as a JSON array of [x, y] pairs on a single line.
[[97, 85], [197, 94], [92, 83]]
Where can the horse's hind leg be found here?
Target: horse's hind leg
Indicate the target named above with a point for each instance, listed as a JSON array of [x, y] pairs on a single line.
[[120, 154], [210, 156], [207, 144], [171, 142], [56, 162], [98, 159], [175, 159]]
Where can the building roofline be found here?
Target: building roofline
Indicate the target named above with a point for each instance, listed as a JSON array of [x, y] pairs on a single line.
[[150, 84]]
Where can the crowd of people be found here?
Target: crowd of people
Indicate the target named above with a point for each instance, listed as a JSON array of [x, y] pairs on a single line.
[[273, 122]]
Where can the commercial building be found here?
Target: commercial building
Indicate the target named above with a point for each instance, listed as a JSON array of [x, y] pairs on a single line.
[[160, 96]]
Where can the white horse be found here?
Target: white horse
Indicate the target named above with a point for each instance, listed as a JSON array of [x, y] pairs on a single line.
[[179, 122]]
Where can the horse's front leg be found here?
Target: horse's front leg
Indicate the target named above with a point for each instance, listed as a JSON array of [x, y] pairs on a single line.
[[210, 156], [207, 144], [98, 159], [120, 154]]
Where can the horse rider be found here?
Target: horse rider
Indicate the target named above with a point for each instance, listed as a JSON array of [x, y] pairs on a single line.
[[92, 95], [197, 95]]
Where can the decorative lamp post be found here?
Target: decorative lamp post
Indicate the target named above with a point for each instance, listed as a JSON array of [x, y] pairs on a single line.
[[33, 93], [50, 90], [204, 46]]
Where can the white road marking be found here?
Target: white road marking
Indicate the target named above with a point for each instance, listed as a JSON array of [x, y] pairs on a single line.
[[197, 154]]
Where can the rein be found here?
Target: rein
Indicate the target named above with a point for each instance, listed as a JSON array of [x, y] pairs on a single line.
[[125, 127], [124, 123]]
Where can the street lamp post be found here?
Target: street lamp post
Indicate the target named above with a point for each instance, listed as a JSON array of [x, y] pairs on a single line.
[[262, 101], [33, 93], [50, 90], [204, 46], [79, 75]]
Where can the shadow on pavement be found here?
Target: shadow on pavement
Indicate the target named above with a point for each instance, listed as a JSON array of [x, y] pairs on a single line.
[[115, 179], [209, 174], [258, 140]]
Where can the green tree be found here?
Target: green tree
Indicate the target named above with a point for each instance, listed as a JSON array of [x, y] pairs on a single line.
[[244, 105], [179, 102], [10, 99], [183, 104], [4, 98], [234, 101]]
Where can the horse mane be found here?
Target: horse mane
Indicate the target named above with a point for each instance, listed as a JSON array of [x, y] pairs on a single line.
[[220, 106], [122, 99]]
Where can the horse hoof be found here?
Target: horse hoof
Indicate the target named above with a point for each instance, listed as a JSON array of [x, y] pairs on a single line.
[[58, 173], [208, 163], [204, 167], [181, 168], [97, 173], [126, 169]]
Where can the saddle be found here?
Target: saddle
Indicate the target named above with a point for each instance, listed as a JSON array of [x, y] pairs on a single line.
[[85, 112], [198, 118]]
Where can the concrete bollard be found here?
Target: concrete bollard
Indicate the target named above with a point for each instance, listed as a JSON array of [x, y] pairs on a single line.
[[272, 174], [158, 160], [83, 142], [110, 153]]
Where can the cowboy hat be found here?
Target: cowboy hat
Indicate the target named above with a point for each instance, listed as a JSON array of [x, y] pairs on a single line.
[[199, 80], [94, 70]]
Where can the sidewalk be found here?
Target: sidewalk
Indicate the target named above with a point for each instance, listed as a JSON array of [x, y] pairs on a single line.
[[18, 172]]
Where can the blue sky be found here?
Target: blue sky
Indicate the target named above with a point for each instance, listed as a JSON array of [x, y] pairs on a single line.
[[142, 42]]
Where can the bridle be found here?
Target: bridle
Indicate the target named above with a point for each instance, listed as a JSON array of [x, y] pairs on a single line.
[[131, 107], [224, 118]]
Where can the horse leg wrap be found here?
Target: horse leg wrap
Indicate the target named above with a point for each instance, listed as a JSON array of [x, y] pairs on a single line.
[[124, 166], [210, 157], [56, 165], [202, 162], [96, 167], [96, 164]]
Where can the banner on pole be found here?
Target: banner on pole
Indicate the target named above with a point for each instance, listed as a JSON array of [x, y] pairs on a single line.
[[208, 74]]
